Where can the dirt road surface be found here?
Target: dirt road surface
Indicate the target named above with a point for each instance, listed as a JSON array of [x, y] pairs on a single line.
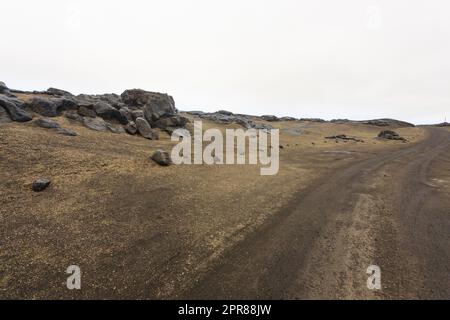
[[387, 210]]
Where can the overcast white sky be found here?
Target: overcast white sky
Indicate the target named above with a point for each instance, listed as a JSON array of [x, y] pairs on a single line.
[[354, 59]]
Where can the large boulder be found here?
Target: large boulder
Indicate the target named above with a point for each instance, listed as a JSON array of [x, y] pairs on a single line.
[[155, 105], [144, 128], [14, 108]]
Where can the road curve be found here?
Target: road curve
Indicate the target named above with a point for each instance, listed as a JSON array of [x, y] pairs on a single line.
[[382, 210]]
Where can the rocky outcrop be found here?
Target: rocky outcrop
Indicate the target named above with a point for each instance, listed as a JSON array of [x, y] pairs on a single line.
[[312, 120], [14, 108], [50, 107], [388, 122]]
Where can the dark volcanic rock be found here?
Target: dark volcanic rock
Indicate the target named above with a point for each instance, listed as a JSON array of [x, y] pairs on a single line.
[[126, 114], [391, 135], [161, 157], [269, 118], [97, 123], [72, 115], [50, 107], [145, 129], [14, 108], [313, 120], [40, 184], [115, 129], [287, 119], [87, 111], [172, 121], [388, 122], [58, 92], [106, 111], [46, 123], [344, 137], [139, 98], [66, 132], [225, 112], [137, 114]]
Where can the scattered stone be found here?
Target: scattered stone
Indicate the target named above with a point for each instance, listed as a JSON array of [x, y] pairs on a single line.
[[161, 157], [40, 184], [390, 135], [66, 132], [344, 138], [47, 123], [145, 129], [97, 123]]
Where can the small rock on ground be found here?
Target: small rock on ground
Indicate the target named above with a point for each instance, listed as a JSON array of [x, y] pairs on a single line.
[[40, 184]]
